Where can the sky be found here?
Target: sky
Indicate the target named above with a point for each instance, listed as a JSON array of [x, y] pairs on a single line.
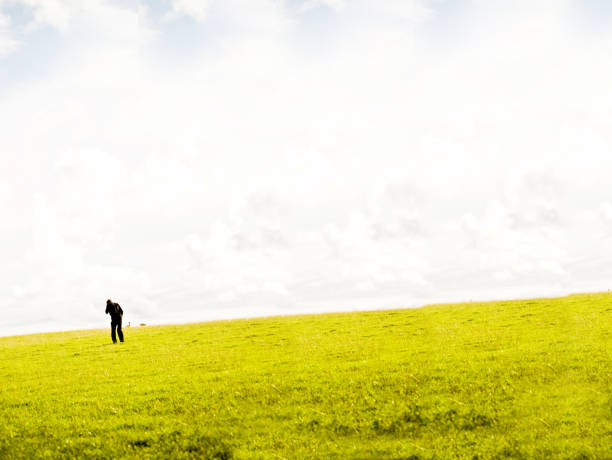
[[206, 159]]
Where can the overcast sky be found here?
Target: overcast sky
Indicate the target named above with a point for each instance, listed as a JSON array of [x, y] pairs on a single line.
[[201, 159]]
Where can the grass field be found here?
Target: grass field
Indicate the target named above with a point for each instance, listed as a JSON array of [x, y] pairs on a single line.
[[515, 379]]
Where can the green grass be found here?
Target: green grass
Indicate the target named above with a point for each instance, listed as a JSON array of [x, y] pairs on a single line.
[[515, 379]]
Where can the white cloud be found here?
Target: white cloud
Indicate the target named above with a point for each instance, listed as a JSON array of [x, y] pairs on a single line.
[[87, 21], [337, 5], [272, 172], [54, 13], [198, 9], [261, 17], [8, 43]]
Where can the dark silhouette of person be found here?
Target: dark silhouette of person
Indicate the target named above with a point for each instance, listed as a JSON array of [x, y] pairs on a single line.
[[116, 313]]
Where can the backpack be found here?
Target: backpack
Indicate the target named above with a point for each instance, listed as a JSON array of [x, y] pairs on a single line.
[[114, 309]]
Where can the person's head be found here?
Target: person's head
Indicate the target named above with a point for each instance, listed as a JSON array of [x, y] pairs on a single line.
[[108, 302]]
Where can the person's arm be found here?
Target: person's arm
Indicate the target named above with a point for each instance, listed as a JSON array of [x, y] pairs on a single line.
[[106, 311], [119, 309]]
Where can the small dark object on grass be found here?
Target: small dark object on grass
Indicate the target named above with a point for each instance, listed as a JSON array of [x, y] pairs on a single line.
[[116, 312], [142, 324]]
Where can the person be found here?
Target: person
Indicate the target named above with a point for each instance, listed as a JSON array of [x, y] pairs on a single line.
[[116, 313]]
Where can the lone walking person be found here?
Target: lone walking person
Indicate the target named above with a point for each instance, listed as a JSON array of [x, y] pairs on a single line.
[[114, 310]]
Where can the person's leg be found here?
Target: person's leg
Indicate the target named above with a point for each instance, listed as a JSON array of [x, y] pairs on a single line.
[[113, 336], [119, 331]]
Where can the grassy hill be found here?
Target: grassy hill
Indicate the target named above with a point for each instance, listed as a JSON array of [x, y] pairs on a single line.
[[516, 379]]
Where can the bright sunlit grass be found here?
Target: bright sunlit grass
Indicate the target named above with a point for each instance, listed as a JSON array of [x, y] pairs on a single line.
[[515, 379]]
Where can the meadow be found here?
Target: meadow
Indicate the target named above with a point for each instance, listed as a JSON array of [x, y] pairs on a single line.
[[509, 379]]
